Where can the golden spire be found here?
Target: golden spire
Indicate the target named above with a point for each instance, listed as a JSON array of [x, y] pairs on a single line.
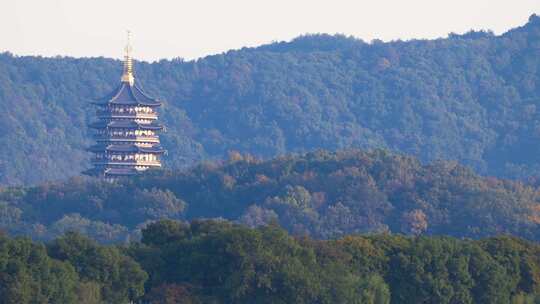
[[128, 62]]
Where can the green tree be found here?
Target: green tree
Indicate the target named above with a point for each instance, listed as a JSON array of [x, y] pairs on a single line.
[[120, 277]]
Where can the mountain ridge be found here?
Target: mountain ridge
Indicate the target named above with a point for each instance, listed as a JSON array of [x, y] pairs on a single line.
[[471, 98]]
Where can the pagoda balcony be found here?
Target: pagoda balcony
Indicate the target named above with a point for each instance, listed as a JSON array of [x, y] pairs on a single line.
[[124, 115], [128, 138], [147, 163]]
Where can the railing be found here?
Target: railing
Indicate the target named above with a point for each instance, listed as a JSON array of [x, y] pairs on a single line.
[[105, 114], [100, 161], [129, 138]]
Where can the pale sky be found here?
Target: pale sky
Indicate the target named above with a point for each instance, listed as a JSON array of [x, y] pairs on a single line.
[[192, 29]]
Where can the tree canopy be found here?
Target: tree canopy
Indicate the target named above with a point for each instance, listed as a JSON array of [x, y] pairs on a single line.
[[321, 194], [216, 261]]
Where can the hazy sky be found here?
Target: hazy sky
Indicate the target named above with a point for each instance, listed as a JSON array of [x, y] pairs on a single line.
[[191, 29]]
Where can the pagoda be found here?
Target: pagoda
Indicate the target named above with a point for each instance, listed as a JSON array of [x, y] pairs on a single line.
[[126, 136]]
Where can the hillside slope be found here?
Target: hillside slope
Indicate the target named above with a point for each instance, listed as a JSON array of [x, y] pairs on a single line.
[[321, 194], [472, 98]]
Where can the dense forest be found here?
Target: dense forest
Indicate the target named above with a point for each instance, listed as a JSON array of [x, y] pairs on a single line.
[[215, 262], [321, 194], [473, 98]]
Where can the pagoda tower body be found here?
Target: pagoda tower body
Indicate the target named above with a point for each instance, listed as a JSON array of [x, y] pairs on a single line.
[[126, 130]]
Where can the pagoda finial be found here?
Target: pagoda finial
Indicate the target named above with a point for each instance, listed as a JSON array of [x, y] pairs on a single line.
[[127, 76]]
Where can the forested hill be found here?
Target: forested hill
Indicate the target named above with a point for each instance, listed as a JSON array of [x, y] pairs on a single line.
[[474, 98], [320, 194]]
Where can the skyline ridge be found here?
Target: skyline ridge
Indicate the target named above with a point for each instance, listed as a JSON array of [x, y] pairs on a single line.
[[289, 41], [191, 30]]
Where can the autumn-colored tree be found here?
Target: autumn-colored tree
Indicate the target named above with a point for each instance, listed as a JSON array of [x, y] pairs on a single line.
[[414, 222]]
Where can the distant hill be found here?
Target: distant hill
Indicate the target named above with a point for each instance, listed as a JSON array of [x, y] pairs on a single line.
[[474, 98], [320, 194]]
